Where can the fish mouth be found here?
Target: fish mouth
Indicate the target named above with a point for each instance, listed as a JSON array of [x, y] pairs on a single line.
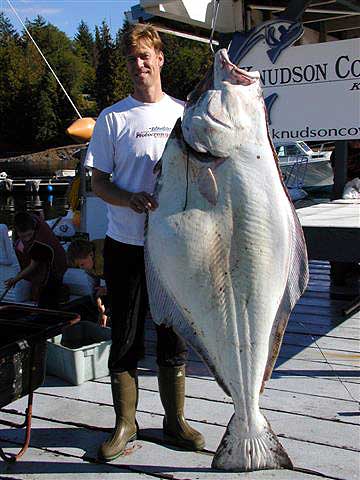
[[231, 73], [223, 70]]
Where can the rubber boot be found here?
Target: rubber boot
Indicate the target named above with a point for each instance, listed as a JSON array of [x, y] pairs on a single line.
[[125, 393], [172, 394]]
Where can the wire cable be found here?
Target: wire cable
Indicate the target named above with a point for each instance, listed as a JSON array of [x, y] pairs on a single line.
[[213, 23]]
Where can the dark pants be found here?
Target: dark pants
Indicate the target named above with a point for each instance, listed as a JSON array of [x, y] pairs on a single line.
[[124, 273], [51, 294]]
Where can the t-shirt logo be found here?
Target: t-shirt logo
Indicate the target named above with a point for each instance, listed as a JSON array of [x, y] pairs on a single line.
[[156, 132]]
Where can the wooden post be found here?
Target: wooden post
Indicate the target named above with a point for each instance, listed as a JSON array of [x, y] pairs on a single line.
[[82, 191], [340, 168], [338, 270]]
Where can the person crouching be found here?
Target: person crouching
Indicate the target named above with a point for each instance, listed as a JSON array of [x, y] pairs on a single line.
[[42, 260]]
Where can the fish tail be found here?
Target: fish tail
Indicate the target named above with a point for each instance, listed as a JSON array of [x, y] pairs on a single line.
[[262, 451]]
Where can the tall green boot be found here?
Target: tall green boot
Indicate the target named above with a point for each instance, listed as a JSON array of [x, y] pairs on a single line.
[[125, 393], [172, 394]]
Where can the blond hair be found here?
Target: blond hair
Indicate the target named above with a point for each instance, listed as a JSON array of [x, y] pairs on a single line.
[[141, 32]]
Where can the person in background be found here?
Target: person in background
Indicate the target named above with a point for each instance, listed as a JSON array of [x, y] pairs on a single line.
[[128, 139], [42, 260], [88, 255]]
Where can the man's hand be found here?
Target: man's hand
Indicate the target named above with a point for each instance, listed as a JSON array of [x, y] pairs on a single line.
[[100, 291], [10, 282], [142, 202]]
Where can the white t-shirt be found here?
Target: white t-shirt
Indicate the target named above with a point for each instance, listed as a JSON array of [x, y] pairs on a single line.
[[128, 139]]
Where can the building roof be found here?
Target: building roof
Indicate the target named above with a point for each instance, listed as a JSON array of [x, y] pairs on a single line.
[[338, 18]]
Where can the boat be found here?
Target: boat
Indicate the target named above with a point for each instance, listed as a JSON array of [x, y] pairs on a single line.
[[313, 168], [85, 208]]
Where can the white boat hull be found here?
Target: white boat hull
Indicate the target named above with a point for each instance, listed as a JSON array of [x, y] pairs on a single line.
[[315, 174]]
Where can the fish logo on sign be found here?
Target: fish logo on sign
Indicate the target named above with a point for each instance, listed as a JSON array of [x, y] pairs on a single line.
[[276, 35]]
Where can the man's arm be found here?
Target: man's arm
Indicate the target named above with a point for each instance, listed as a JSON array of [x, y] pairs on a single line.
[[103, 187], [26, 273]]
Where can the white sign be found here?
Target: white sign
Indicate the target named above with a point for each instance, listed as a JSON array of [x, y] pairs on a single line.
[[314, 89]]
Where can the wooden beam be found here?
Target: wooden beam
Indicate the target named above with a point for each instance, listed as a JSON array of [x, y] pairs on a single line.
[[348, 23], [317, 18], [326, 2], [352, 4], [332, 243], [275, 8]]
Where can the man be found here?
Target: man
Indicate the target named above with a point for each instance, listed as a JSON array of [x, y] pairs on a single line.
[[42, 260], [128, 139]]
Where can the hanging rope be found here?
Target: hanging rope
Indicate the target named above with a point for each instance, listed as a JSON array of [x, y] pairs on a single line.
[[213, 23], [47, 63]]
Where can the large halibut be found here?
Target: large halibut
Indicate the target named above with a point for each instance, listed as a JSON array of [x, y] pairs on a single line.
[[225, 254]]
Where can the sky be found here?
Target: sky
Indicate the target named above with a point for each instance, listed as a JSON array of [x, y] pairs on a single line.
[[67, 14]]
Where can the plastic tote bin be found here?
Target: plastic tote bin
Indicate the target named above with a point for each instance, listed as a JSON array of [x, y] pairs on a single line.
[[80, 354]]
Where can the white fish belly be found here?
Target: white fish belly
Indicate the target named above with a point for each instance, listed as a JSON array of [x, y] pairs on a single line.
[[219, 265]]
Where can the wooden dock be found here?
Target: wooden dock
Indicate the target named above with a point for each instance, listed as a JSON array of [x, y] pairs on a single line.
[[312, 406], [332, 230]]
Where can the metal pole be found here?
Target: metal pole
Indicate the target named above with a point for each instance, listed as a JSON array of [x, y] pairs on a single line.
[[82, 193]]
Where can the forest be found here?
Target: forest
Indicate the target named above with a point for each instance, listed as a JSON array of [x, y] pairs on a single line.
[[34, 111]]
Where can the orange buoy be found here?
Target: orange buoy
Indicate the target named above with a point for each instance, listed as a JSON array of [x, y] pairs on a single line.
[[82, 129]]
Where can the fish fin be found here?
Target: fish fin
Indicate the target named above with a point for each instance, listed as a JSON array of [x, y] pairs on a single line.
[[298, 278], [208, 186], [165, 311], [261, 452]]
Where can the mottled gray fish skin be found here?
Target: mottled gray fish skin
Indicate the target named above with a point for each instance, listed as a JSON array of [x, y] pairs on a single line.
[[225, 254]]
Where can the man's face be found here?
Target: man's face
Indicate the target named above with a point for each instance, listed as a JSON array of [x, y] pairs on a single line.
[[26, 236], [144, 65]]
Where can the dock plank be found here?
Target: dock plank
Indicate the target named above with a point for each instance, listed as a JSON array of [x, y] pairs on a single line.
[[310, 401], [72, 442], [51, 457], [312, 428]]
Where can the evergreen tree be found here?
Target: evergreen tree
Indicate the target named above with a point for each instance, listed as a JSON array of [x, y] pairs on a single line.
[[34, 111], [84, 43], [122, 82], [106, 67], [59, 52], [11, 80], [7, 31], [186, 62], [85, 50], [44, 118]]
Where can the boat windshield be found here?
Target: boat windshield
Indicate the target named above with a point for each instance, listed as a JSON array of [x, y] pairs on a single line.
[[305, 147]]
